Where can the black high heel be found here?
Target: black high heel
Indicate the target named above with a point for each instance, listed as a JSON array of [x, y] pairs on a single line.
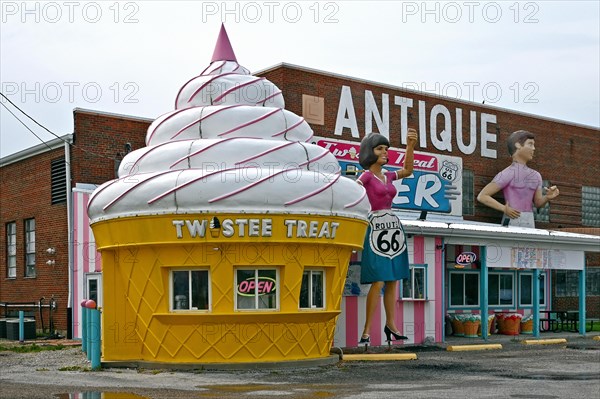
[[365, 339], [389, 333]]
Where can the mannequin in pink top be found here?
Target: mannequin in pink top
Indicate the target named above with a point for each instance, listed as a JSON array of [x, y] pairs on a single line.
[[383, 266], [521, 185]]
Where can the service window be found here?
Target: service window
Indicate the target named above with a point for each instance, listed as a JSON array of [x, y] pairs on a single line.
[[256, 289], [464, 289], [526, 289], [312, 291], [190, 290], [415, 287]]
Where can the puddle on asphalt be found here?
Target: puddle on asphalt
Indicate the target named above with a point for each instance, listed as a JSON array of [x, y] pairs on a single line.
[[99, 395], [263, 390]]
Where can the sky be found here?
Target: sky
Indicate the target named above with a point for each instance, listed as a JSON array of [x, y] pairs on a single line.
[[131, 57]]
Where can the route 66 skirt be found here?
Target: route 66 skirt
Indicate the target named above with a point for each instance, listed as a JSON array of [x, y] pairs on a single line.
[[385, 252]]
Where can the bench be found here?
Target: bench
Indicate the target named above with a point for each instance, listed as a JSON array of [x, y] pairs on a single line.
[[551, 325], [591, 321]]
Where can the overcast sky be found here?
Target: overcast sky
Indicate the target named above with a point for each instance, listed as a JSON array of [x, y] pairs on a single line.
[[539, 57]]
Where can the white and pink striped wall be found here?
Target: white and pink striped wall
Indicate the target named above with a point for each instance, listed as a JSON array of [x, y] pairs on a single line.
[[416, 319], [86, 260]]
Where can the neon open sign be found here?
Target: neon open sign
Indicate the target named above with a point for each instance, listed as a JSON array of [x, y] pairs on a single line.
[[251, 287], [466, 258]]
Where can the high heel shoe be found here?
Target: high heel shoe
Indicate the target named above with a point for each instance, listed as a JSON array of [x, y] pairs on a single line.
[[365, 339], [389, 333]]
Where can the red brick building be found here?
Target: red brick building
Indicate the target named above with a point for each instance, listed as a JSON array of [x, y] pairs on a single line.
[[35, 183]]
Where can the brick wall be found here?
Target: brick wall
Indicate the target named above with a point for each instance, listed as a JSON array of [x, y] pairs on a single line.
[[99, 143], [563, 151], [25, 188]]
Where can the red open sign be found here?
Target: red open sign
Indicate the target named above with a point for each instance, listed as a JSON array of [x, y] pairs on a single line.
[[466, 258], [250, 287]]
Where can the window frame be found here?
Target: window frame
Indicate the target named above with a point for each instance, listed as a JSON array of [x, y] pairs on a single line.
[[311, 272], [468, 193], [569, 276], [257, 296], [498, 273], [543, 286], [463, 273], [411, 297], [29, 253], [11, 250], [190, 295], [590, 199]]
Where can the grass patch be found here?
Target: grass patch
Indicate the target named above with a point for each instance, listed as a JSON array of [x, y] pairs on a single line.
[[31, 348]]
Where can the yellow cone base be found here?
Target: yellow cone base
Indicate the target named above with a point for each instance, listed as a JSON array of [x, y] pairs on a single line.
[[380, 356], [460, 348]]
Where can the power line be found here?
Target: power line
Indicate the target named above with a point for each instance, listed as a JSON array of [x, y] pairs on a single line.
[[46, 129]]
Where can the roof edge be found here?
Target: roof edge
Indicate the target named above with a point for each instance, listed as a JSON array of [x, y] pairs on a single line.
[[421, 93], [46, 146]]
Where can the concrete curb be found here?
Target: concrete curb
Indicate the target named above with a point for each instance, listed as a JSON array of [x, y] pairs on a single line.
[[380, 356], [460, 348], [550, 341]]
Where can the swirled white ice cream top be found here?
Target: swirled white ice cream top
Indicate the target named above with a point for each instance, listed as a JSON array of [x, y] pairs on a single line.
[[229, 146]]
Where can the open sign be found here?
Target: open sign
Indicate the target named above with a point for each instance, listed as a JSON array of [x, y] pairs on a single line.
[[261, 286], [466, 258]]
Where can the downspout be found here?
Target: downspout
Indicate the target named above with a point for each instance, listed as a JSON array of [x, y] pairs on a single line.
[[69, 239]]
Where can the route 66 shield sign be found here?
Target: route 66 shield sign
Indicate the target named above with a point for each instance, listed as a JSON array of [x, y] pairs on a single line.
[[387, 237]]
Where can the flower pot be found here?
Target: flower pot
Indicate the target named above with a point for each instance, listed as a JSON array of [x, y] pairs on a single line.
[[471, 328], [490, 324], [457, 326], [527, 326], [511, 324]]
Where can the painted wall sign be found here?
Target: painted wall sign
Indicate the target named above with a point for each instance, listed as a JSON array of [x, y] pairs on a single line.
[[480, 125], [435, 185], [466, 258]]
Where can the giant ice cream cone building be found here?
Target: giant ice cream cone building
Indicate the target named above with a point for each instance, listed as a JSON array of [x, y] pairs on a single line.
[[227, 238]]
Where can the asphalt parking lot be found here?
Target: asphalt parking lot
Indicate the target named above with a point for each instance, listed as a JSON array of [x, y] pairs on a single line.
[[570, 369]]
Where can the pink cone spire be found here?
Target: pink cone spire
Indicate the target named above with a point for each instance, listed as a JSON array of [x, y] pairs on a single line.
[[223, 50]]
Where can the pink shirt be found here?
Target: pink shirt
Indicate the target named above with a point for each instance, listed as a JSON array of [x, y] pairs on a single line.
[[519, 184], [380, 195]]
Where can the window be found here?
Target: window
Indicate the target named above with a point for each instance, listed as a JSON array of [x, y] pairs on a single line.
[[256, 289], [94, 287], [500, 289], [464, 289], [592, 281], [312, 290], [11, 250], [567, 283], [58, 180], [590, 206], [190, 290], [468, 192], [543, 213], [414, 287], [30, 248], [526, 289]]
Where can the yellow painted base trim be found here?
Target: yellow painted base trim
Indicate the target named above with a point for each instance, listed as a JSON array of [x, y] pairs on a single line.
[[459, 348], [596, 338], [545, 341], [380, 356]]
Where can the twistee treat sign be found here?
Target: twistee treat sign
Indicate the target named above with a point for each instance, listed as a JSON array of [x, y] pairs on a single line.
[[386, 238], [256, 227]]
